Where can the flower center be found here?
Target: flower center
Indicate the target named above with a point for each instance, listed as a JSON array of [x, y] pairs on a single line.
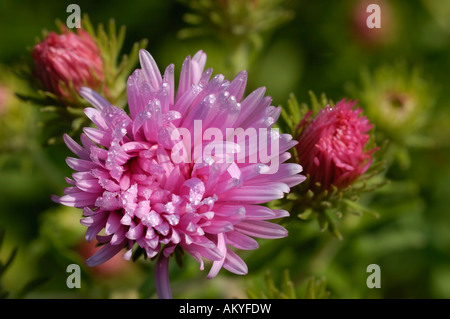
[[157, 200]]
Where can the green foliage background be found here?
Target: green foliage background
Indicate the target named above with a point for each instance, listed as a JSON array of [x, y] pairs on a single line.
[[314, 48]]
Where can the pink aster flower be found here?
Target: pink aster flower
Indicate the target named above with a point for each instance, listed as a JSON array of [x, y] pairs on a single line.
[[332, 146], [69, 59], [131, 183]]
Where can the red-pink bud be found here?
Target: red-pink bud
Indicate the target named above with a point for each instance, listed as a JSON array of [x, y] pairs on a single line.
[[332, 145], [68, 58]]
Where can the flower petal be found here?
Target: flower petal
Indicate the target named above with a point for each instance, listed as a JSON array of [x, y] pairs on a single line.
[[241, 241], [261, 229], [255, 194], [95, 99], [76, 148], [150, 69], [217, 265], [235, 264], [104, 254]]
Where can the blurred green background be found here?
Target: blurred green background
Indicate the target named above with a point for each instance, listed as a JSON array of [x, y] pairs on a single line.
[[314, 46]]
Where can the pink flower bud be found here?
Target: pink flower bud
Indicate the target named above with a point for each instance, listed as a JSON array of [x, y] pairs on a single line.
[[332, 145], [68, 58]]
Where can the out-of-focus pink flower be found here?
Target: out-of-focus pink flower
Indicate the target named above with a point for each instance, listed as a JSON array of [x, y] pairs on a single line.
[[68, 58], [113, 267], [332, 145], [372, 38], [131, 183]]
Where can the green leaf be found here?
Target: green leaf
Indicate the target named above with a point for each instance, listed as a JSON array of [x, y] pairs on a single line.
[[2, 236], [179, 256], [288, 286], [358, 208], [138, 253], [306, 214], [310, 289], [334, 229], [323, 222], [316, 289], [32, 285], [4, 267]]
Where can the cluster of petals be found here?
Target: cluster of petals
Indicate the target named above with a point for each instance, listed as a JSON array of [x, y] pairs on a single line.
[[333, 145], [133, 193], [68, 60]]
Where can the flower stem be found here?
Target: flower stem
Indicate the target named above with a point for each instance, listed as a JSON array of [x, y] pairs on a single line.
[[162, 277]]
